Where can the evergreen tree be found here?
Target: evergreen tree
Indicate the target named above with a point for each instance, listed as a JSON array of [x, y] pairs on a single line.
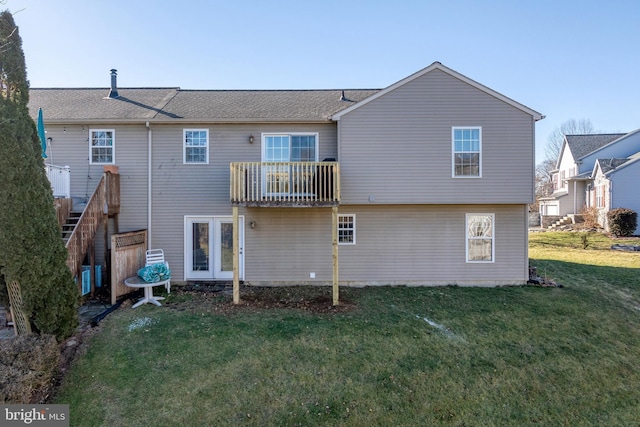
[[32, 252]]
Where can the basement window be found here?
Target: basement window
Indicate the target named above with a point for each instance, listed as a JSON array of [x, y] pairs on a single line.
[[346, 229], [480, 237]]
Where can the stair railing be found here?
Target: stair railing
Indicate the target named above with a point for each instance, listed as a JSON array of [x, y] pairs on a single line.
[[83, 234]]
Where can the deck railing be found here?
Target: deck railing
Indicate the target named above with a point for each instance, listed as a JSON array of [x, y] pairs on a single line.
[[285, 183], [60, 179]]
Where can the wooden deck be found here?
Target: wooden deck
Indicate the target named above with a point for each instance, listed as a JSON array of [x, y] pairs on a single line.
[[285, 184]]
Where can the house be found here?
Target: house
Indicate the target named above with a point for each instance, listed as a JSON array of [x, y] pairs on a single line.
[[425, 182], [587, 173], [622, 175]]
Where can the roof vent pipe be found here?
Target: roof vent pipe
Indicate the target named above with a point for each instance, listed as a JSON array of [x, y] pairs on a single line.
[[113, 93]]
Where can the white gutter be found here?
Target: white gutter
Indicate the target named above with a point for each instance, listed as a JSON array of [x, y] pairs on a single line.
[[149, 134]]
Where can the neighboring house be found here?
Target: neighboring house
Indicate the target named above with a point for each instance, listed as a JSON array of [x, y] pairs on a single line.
[[615, 185], [428, 181], [585, 174]]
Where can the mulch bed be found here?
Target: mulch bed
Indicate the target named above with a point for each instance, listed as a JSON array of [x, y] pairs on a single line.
[[219, 297]]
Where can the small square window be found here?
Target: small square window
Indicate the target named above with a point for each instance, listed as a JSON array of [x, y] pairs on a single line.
[[196, 146], [346, 229]]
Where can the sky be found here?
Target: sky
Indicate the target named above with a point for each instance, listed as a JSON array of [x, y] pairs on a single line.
[[567, 59]]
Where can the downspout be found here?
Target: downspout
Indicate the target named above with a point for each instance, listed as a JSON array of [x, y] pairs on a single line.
[[149, 234]]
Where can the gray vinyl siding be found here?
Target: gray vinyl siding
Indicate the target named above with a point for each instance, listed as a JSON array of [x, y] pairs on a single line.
[[287, 245], [623, 148], [398, 147], [426, 244], [623, 185], [422, 245], [203, 189], [70, 147]]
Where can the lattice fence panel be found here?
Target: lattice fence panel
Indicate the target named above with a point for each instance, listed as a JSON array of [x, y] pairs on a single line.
[[20, 320]]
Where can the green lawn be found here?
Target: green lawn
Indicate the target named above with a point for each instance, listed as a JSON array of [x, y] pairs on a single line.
[[511, 356]]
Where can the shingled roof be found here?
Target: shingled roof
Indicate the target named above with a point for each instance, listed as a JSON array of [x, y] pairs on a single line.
[[175, 104], [607, 165], [582, 145]]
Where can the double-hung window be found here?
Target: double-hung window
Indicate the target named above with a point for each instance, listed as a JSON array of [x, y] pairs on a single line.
[[467, 152], [346, 229], [283, 176], [196, 146], [599, 196], [480, 237], [102, 146]]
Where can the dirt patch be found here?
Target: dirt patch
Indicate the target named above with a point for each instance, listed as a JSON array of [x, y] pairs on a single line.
[[219, 298]]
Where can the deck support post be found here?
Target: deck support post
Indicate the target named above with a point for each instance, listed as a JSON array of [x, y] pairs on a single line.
[[334, 244], [236, 256]]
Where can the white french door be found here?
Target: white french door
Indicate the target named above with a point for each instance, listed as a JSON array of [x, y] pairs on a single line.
[[209, 248]]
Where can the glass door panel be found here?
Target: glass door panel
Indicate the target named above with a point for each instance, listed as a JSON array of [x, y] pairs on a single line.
[[223, 266], [198, 257], [226, 246], [209, 248]]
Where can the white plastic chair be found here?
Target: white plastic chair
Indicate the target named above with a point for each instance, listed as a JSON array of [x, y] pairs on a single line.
[[155, 256]]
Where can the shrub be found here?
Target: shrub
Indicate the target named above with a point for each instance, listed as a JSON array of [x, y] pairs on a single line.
[[32, 253], [590, 216], [27, 364], [622, 222]]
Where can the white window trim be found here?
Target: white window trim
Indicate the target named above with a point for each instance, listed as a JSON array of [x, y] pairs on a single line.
[[113, 147], [453, 153], [266, 134], [354, 229], [493, 237], [184, 147]]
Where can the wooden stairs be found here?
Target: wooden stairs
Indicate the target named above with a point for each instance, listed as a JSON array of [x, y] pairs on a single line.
[[78, 229], [70, 224]]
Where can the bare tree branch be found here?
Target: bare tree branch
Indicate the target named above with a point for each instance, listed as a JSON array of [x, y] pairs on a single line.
[[570, 127]]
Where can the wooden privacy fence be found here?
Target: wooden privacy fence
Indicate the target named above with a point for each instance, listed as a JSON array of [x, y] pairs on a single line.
[[128, 252]]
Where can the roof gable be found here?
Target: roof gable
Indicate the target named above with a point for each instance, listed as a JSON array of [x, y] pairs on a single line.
[[583, 145], [449, 71], [607, 165], [611, 166]]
